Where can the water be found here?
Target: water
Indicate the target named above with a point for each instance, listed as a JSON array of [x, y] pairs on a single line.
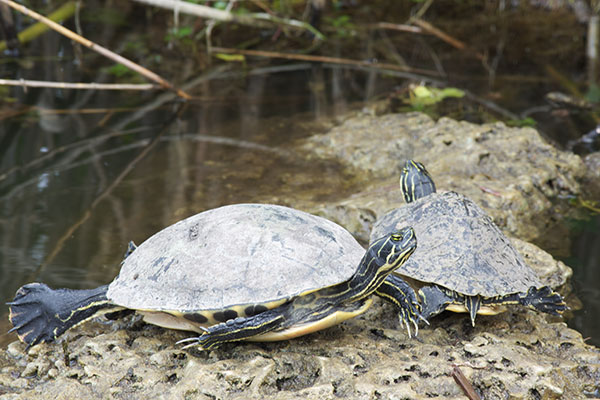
[[82, 173]]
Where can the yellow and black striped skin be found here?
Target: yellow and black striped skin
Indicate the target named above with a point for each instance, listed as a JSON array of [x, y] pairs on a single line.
[[319, 308], [415, 181]]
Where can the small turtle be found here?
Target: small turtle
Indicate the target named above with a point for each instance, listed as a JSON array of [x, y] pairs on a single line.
[[464, 263], [241, 272]]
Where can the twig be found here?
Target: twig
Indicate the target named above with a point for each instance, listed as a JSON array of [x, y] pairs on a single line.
[[70, 85], [445, 37], [253, 19], [462, 381], [102, 50], [423, 9], [492, 106], [398, 27], [211, 24], [324, 59]]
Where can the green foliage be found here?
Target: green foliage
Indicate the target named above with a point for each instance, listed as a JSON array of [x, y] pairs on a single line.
[[119, 71], [423, 96], [179, 33], [220, 5], [343, 25]]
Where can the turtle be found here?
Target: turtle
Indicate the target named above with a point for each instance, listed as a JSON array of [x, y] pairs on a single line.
[[257, 272], [464, 262]]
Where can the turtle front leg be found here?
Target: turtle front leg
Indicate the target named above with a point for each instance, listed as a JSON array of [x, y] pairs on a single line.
[[300, 317], [242, 328], [398, 292]]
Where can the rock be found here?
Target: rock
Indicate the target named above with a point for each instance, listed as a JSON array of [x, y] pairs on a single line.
[[591, 183], [519, 354], [511, 172]]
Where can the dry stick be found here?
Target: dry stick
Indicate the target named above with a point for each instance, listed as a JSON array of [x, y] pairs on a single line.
[[462, 381], [445, 37], [67, 85], [323, 59], [252, 19], [99, 49], [398, 27]]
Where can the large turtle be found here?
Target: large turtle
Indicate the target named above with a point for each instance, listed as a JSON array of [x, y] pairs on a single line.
[[464, 263], [241, 272]]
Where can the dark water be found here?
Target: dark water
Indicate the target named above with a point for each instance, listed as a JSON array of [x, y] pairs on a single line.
[[84, 172]]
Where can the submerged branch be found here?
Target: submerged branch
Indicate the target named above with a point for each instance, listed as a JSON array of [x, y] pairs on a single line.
[[88, 212], [324, 59], [97, 48]]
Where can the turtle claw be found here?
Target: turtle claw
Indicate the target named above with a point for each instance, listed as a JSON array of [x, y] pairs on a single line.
[[202, 342], [187, 346]]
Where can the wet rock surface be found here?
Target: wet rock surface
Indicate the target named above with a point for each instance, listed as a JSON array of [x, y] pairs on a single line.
[[520, 354]]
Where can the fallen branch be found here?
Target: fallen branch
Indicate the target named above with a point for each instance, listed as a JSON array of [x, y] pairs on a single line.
[[324, 59], [97, 48], [252, 19], [67, 85], [398, 27], [426, 26]]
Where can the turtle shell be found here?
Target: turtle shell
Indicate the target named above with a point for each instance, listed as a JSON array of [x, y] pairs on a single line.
[[235, 255], [460, 247]]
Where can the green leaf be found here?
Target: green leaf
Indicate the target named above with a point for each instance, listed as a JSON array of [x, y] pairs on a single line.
[[230, 57], [422, 96]]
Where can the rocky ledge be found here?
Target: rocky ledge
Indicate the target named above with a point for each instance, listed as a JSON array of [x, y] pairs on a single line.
[[513, 173]]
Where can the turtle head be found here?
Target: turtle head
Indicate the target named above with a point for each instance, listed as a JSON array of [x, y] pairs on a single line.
[[415, 181], [383, 256], [391, 251]]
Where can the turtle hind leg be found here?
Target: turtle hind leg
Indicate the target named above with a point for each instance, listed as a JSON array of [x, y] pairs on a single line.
[[40, 314], [543, 299]]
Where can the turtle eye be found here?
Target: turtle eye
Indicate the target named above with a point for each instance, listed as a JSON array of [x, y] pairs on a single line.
[[396, 237]]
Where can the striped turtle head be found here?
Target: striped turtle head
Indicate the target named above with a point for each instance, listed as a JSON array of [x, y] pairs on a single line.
[[415, 181], [391, 251], [383, 256]]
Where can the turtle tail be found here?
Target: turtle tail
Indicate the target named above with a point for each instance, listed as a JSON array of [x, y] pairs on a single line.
[[543, 299], [41, 314]]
